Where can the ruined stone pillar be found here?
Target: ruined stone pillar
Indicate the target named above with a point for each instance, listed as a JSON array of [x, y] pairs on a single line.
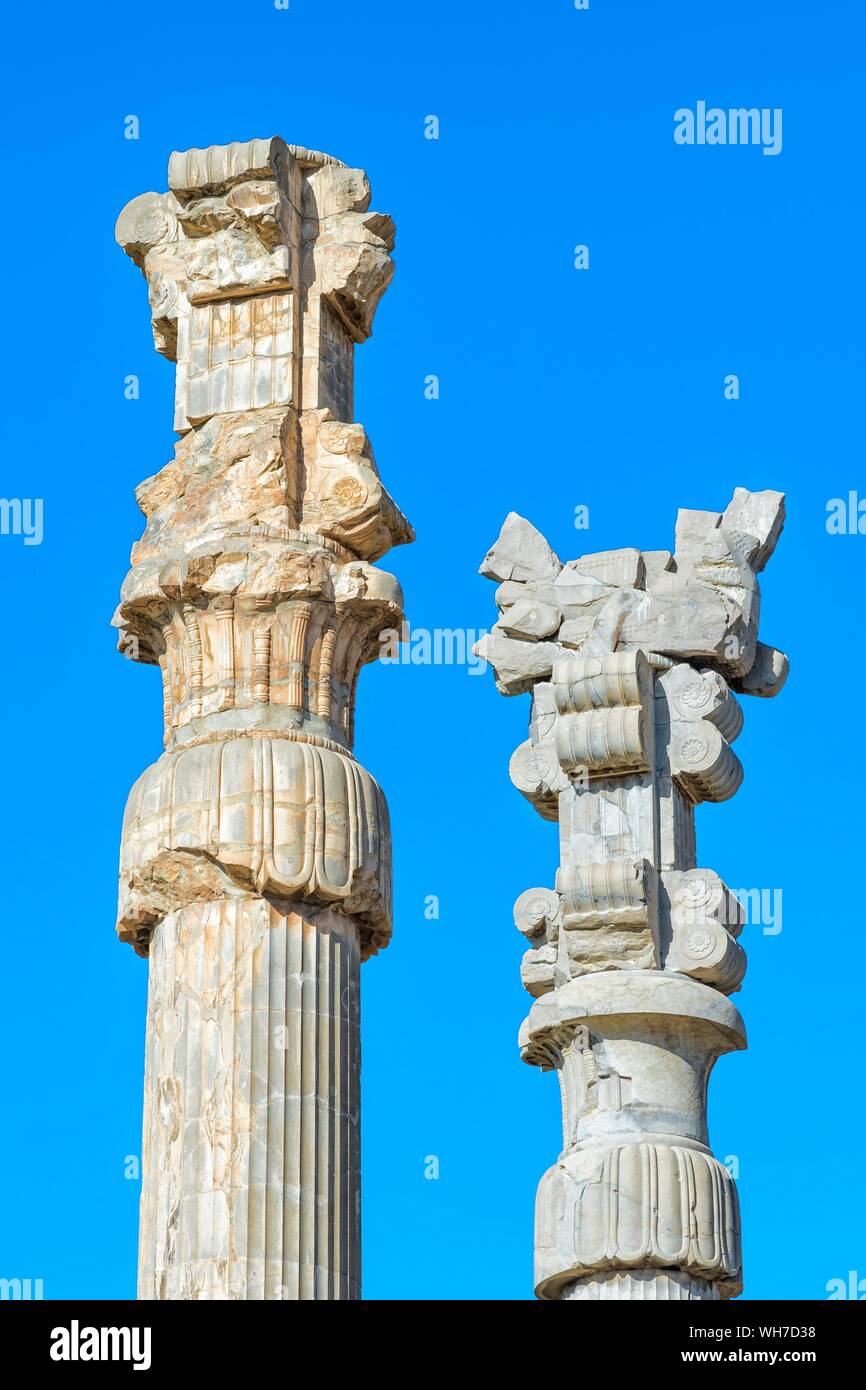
[[255, 861], [634, 661]]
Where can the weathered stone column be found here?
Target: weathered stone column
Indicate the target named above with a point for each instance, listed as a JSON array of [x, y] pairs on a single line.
[[255, 863], [633, 661]]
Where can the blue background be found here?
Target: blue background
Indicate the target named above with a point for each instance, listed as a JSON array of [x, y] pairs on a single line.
[[558, 388]]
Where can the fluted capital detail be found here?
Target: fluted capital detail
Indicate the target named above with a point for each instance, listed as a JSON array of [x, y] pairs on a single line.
[[637, 1207]]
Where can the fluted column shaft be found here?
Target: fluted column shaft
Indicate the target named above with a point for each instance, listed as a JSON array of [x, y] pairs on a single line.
[[251, 1140]]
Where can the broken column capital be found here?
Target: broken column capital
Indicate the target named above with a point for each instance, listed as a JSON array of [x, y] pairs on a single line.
[[632, 660], [255, 859]]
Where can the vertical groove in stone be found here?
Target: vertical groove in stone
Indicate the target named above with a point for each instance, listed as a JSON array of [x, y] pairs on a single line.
[[261, 666], [166, 692], [225, 620], [276, 1111], [326, 658], [307, 1222], [194, 689], [642, 1286], [293, 1040], [250, 1150], [322, 1126], [352, 1035], [297, 650]]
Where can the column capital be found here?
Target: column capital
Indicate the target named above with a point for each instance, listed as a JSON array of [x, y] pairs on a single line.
[[634, 660]]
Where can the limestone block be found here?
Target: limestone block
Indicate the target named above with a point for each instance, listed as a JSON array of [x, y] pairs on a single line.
[[575, 631], [655, 562], [685, 694], [264, 267], [691, 532], [521, 553], [617, 568], [234, 474], [760, 515], [528, 619], [579, 594], [148, 221], [517, 664], [685, 620], [237, 355], [517, 591], [232, 262]]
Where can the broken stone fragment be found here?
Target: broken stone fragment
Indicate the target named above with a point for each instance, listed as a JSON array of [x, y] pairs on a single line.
[[353, 266], [520, 553], [333, 189], [515, 591], [530, 620], [622, 568], [751, 522], [760, 515], [360, 587], [169, 881], [575, 631], [538, 970], [725, 565], [691, 532], [578, 593], [767, 675], [344, 498], [656, 562], [233, 473], [690, 620], [232, 261], [607, 629], [517, 665]]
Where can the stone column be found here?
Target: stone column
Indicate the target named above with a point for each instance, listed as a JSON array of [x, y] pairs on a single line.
[[255, 860], [634, 661]]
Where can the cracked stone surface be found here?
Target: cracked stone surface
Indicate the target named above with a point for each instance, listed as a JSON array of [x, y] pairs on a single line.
[[255, 859], [633, 661]]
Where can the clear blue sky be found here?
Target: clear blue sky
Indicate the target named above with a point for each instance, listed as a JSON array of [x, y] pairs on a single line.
[[558, 388]]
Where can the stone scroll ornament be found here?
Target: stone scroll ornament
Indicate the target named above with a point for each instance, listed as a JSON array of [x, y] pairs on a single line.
[[634, 661], [255, 862]]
